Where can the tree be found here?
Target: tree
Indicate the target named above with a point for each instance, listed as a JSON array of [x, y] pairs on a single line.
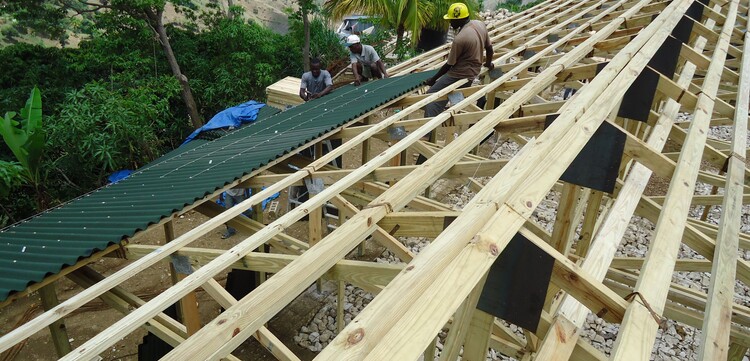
[[305, 8], [51, 14]]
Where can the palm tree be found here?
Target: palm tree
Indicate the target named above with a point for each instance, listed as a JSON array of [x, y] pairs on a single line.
[[402, 15]]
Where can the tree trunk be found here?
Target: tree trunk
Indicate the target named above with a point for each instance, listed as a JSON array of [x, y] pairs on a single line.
[[156, 20], [400, 35], [229, 7], [306, 26]]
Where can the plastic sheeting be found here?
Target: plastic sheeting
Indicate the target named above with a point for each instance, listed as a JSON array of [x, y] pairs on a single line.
[[230, 117]]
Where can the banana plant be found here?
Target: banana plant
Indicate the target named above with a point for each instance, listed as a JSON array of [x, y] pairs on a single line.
[[24, 136]]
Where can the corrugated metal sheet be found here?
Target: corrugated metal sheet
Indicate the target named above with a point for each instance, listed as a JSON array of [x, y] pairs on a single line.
[[43, 245]]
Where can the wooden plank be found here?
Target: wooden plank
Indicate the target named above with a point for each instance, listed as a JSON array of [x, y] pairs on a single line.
[[638, 331], [590, 222], [587, 290], [736, 352], [397, 196], [281, 241], [263, 335], [380, 235], [500, 227], [715, 342], [674, 310], [613, 227]]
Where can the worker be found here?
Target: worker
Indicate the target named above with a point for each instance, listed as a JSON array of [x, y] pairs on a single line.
[[232, 197], [366, 63], [316, 82], [465, 57]]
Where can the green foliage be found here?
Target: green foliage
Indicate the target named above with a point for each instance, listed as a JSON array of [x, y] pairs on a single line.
[[441, 8], [25, 137], [11, 174], [113, 102], [231, 62], [324, 44], [517, 5], [24, 66], [405, 15], [100, 130]]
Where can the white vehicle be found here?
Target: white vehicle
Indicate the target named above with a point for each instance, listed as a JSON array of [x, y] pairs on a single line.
[[355, 24]]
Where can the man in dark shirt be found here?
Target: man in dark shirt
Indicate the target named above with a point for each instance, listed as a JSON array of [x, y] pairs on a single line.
[[316, 82], [465, 57]]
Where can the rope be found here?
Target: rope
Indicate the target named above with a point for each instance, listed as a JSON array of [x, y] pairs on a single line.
[[659, 320]]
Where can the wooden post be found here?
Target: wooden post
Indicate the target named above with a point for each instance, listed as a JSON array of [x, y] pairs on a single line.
[[258, 216], [478, 338], [57, 328], [366, 143], [589, 222], [461, 322], [188, 305], [561, 232]]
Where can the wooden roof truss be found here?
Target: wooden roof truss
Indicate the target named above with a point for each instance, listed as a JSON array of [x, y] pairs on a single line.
[[554, 45]]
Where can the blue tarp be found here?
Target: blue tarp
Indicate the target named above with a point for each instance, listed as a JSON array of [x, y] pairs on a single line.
[[230, 117], [119, 175]]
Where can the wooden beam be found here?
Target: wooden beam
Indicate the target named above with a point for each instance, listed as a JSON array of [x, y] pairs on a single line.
[[715, 342], [638, 331], [57, 329]]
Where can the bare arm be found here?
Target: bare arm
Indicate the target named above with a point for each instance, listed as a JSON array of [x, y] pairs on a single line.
[[381, 66], [323, 92], [488, 54], [357, 78], [303, 93]]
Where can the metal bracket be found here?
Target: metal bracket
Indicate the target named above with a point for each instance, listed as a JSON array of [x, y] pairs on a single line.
[[181, 264], [314, 185], [397, 133]]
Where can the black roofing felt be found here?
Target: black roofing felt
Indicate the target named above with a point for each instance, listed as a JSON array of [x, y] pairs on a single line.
[[46, 243]]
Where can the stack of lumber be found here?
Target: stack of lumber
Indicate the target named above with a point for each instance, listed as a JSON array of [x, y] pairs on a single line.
[[283, 93]]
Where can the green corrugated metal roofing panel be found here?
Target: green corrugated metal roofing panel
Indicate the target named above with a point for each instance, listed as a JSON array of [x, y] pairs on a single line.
[[44, 244]]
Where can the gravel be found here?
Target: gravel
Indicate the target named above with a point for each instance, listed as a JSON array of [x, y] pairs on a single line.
[[675, 340]]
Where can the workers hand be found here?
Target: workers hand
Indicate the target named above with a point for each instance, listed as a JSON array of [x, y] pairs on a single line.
[[386, 76], [358, 80], [430, 82], [315, 96], [489, 65]]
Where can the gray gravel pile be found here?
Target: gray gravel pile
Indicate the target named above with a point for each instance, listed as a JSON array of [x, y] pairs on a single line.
[[675, 341]]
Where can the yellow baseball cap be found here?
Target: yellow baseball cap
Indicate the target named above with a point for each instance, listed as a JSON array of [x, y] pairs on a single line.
[[457, 11]]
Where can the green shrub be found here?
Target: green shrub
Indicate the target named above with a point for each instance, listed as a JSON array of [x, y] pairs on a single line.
[[100, 130]]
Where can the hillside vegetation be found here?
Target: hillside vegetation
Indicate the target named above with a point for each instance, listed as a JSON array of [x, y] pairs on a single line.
[[114, 102]]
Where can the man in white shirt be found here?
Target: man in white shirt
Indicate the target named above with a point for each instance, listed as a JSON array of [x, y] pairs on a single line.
[[316, 82], [366, 62]]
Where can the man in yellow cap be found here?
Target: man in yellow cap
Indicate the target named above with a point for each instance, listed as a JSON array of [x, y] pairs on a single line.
[[465, 58]]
